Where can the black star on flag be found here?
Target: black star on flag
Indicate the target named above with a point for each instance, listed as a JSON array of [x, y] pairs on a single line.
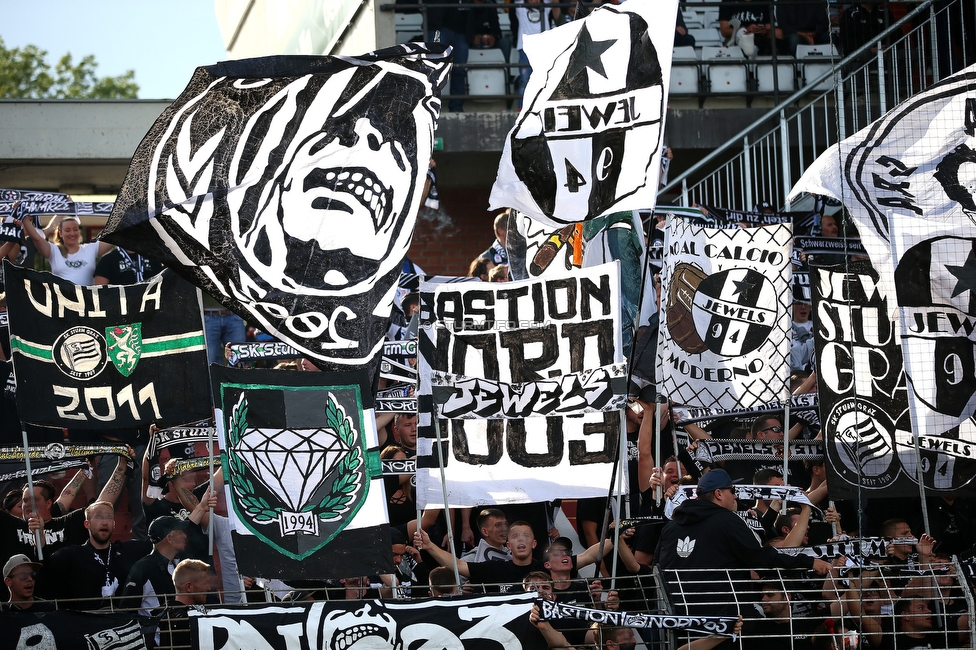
[[588, 54], [965, 274]]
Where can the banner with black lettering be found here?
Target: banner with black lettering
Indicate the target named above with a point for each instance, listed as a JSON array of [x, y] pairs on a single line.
[[553, 611], [468, 623], [803, 406], [587, 142], [46, 204], [112, 357], [181, 441], [538, 250], [303, 474], [287, 187], [527, 355], [864, 396], [68, 629], [544, 347], [726, 304], [55, 457]]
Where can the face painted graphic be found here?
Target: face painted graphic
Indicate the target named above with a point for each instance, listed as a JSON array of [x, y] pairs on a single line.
[[287, 188]]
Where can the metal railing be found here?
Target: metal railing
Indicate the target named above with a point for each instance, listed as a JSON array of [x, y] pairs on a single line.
[[765, 159]]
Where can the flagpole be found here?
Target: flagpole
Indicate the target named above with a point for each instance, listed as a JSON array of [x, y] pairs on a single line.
[[447, 510], [786, 446], [30, 490], [210, 526], [659, 490], [622, 469]]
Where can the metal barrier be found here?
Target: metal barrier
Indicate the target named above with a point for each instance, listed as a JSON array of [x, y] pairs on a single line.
[[887, 606], [863, 86]]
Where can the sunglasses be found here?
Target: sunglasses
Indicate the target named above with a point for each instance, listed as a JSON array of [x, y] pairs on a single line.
[[776, 429], [24, 576]]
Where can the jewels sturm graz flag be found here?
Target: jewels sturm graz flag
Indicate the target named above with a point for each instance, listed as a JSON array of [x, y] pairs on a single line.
[[864, 396], [304, 478], [726, 302], [907, 181], [110, 357], [287, 187], [587, 141]]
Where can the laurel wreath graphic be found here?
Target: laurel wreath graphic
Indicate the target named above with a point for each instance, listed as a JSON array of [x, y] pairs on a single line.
[[344, 488]]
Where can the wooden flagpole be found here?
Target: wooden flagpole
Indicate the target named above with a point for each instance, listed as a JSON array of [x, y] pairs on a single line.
[[30, 490]]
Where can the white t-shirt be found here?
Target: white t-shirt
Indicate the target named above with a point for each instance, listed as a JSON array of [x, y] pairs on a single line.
[[77, 267], [531, 20]]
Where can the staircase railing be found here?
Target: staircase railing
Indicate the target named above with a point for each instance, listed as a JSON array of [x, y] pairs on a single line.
[[762, 165]]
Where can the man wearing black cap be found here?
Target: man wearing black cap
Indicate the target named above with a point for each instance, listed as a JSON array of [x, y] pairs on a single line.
[[150, 582], [705, 533]]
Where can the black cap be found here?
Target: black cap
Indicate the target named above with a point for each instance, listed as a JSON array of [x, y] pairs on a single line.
[[163, 526]]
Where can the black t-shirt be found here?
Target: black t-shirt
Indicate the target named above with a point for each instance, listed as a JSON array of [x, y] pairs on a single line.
[[122, 267], [82, 571], [774, 635], [150, 579], [197, 542], [501, 577], [748, 13]]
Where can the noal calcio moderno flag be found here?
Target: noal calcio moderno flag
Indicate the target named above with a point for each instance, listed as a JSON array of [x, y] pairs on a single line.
[[287, 188], [109, 357]]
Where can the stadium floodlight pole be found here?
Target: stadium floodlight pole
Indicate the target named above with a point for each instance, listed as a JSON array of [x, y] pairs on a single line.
[[786, 443], [30, 490]]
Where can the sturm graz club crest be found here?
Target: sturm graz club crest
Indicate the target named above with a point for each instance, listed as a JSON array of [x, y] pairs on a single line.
[[296, 486], [862, 449], [730, 313], [80, 352], [124, 346]]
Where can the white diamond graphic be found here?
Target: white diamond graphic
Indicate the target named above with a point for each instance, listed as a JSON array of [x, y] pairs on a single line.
[[292, 463]]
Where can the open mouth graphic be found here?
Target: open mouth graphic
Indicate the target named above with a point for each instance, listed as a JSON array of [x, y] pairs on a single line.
[[344, 639], [357, 183]]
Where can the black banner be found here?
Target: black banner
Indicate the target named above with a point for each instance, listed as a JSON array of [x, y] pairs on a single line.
[[67, 629], [472, 623], [294, 199], [106, 357], [864, 397], [829, 245]]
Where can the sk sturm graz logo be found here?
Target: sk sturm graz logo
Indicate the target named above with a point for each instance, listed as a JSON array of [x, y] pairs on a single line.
[[80, 352], [730, 313], [862, 451], [586, 140], [124, 346], [296, 488]]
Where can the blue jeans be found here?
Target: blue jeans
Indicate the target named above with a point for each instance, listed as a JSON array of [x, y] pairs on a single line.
[[459, 76], [221, 329], [524, 72]]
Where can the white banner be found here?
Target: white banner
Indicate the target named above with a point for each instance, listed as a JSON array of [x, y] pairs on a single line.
[[587, 142], [724, 334]]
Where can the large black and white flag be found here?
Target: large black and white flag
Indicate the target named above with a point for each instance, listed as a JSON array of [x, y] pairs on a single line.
[[542, 359], [111, 357], [864, 396], [587, 142], [907, 181], [726, 302], [303, 473], [287, 187], [524, 349], [467, 623]]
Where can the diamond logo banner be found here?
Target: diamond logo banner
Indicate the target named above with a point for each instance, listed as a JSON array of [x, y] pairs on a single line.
[[300, 476]]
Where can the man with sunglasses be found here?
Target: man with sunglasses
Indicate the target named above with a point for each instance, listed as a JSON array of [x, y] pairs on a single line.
[[19, 574]]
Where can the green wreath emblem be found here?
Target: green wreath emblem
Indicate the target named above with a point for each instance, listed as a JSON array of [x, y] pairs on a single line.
[[344, 488]]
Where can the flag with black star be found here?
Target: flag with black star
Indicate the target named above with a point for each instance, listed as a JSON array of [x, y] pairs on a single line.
[[587, 142], [908, 182]]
